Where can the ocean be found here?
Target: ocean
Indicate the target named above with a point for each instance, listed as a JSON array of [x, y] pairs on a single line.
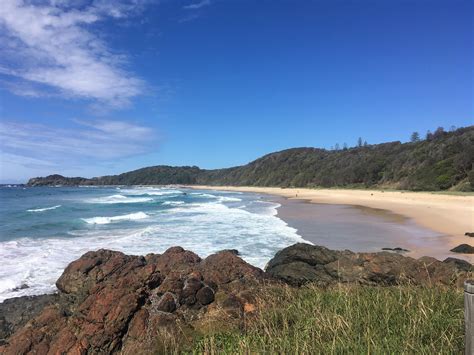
[[43, 229]]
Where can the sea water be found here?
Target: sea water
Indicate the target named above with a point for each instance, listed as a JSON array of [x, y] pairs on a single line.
[[43, 229]]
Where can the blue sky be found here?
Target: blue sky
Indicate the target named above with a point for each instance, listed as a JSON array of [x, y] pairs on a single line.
[[95, 87]]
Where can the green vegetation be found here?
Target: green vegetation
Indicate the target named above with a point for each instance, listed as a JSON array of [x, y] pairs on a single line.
[[444, 160], [346, 320]]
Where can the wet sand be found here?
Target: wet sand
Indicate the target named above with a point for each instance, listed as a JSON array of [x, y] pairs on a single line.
[[362, 229], [365, 220]]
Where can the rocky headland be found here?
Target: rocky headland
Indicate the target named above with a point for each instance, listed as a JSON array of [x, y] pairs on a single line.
[[109, 302]]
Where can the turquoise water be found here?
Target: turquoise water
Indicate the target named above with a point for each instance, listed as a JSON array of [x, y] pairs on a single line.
[[44, 229]]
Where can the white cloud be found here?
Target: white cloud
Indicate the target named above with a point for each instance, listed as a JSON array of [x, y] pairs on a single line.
[[197, 5], [52, 44], [30, 148]]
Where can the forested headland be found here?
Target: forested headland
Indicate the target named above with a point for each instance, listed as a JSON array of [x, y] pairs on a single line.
[[442, 160]]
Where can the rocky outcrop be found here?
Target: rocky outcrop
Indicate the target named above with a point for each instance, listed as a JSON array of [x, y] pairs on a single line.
[[16, 312], [303, 263], [469, 234], [110, 302], [463, 249], [462, 265]]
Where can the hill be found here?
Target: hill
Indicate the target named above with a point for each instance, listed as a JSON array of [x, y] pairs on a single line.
[[442, 161]]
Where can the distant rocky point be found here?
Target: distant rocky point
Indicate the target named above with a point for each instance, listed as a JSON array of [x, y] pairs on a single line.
[[109, 302]]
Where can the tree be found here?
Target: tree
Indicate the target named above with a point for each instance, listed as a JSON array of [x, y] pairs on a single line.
[[366, 144], [344, 147], [415, 137], [359, 142], [429, 135], [439, 132], [336, 146]]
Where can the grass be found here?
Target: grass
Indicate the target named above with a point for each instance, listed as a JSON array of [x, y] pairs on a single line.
[[346, 319]]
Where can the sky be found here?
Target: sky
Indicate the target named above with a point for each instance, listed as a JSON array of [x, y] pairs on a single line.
[[98, 87]]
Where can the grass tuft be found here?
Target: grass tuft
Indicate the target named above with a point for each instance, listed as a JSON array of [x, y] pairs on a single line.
[[347, 319]]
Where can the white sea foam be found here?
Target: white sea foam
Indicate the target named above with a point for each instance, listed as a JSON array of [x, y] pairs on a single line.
[[107, 220], [217, 197], [150, 191], [202, 194], [173, 203], [229, 199], [201, 226], [119, 199], [43, 209]]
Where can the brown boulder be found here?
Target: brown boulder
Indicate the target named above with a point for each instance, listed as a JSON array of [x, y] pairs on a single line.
[[110, 302], [302, 263], [166, 303], [205, 295], [16, 312]]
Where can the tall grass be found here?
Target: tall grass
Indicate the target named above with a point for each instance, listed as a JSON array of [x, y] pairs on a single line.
[[347, 319]]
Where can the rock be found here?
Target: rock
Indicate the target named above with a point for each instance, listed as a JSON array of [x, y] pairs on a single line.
[[21, 287], [397, 249], [233, 251], [463, 249], [16, 312], [469, 234], [460, 264], [109, 302], [166, 303], [224, 267], [205, 295], [303, 263], [191, 287]]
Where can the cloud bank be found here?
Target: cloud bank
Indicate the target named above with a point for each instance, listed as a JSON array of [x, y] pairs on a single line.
[[29, 148], [50, 48]]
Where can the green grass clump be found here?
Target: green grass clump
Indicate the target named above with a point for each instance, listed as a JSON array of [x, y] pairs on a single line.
[[347, 319]]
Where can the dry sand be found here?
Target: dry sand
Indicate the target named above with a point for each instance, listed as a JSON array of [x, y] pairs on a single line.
[[450, 215]]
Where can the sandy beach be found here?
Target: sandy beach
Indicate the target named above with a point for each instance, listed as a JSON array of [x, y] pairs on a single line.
[[449, 215]]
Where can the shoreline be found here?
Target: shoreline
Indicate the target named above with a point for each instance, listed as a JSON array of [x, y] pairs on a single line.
[[450, 216]]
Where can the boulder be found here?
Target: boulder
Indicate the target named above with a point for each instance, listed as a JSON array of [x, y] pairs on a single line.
[[109, 302], [469, 234], [462, 265], [205, 295], [16, 312], [166, 303], [463, 249], [303, 263]]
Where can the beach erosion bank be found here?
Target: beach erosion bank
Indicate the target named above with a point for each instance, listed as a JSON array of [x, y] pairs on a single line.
[[424, 223]]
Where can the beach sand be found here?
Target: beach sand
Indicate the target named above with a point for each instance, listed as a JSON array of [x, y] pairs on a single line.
[[450, 216]]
